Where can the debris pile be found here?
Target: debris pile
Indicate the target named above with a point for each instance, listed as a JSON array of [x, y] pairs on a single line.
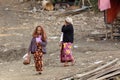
[[108, 71]]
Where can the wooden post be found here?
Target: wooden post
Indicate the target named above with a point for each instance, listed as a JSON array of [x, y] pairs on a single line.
[[83, 2], [111, 28]]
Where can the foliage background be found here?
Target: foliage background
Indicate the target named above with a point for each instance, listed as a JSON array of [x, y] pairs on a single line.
[[95, 5]]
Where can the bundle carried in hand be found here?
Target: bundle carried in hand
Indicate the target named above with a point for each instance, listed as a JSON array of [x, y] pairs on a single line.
[[27, 59]]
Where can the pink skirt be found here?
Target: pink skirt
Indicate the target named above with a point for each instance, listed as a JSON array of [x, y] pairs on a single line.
[[66, 53]]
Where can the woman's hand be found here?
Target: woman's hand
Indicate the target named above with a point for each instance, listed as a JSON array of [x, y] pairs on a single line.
[[28, 53], [60, 44]]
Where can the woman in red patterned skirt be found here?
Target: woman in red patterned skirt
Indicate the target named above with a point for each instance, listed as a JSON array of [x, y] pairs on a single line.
[[38, 47]]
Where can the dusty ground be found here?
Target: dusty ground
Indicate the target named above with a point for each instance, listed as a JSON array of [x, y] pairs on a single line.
[[16, 27]]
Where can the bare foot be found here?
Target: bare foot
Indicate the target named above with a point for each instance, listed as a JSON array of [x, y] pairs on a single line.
[[38, 73], [65, 65], [73, 63]]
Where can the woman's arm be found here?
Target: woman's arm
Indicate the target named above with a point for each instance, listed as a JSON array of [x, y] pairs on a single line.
[[61, 37], [43, 43], [30, 46]]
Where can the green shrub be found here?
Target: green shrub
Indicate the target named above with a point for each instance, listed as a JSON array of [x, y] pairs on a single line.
[[95, 5]]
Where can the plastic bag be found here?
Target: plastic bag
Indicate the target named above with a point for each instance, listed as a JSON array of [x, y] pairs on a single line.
[[27, 59]]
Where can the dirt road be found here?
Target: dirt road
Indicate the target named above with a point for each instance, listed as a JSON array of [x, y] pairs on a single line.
[[15, 34]]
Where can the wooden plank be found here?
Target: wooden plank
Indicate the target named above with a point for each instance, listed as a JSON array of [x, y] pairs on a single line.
[[109, 75], [117, 78], [72, 11], [105, 71], [88, 69], [93, 66], [77, 76]]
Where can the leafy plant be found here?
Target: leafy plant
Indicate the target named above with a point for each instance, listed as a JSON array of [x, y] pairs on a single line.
[[94, 5]]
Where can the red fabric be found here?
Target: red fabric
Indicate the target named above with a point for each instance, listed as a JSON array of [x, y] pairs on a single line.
[[113, 11]]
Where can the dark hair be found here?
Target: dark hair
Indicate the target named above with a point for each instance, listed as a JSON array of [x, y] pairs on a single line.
[[43, 34]]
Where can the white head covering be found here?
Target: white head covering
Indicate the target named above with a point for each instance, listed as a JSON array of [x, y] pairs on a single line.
[[69, 20]]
